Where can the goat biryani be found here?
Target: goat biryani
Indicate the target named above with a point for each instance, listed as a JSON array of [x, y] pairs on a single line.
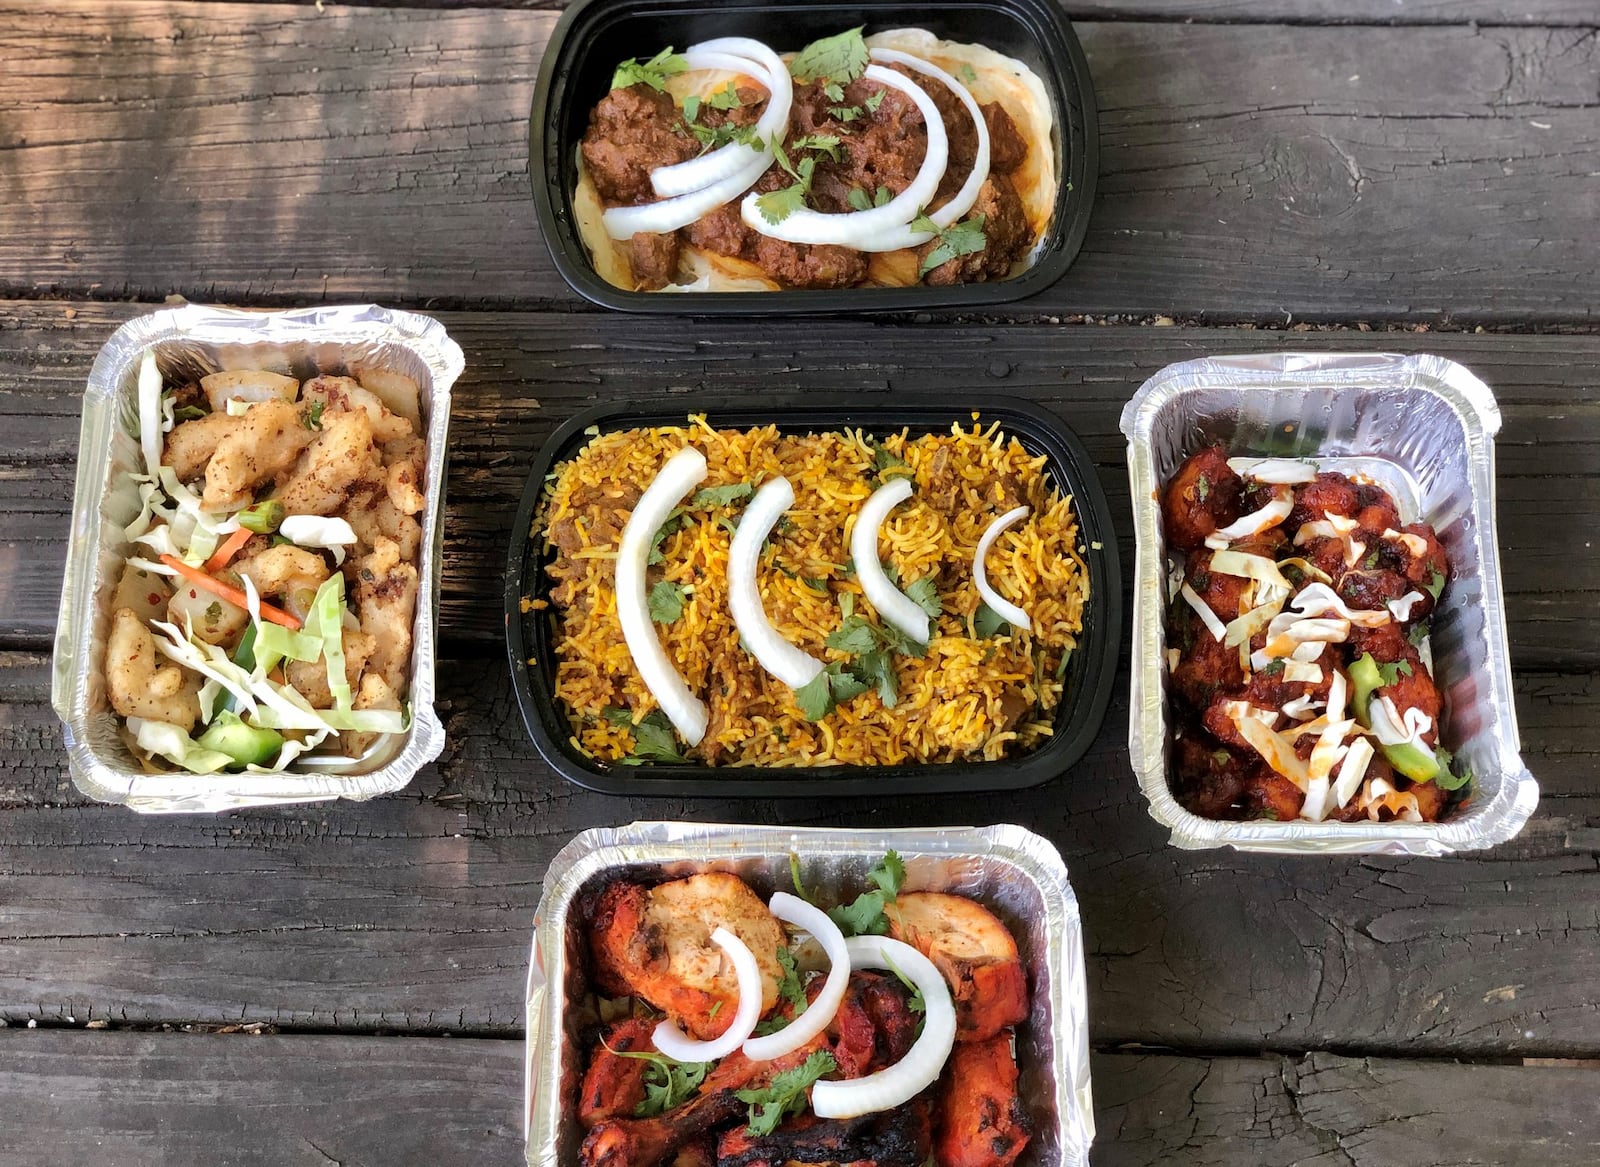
[[808, 642]]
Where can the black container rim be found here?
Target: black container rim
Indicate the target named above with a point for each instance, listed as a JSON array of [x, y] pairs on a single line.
[[1077, 118], [1091, 674]]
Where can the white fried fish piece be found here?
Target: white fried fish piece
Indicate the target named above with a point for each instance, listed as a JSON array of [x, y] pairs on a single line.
[[343, 395], [396, 390], [341, 458], [247, 385], [386, 601], [406, 460], [139, 685], [310, 678], [191, 443], [287, 572], [374, 516], [262, 444], [374, 693]]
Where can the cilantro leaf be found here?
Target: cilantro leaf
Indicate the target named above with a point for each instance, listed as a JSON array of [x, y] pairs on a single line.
[[785, 1094], [987, 623], [815, 698], [666, 602], [777, 205], [1447, 778], [652, 737], [1391, 673], [691, 108], [667, 1084], [846, 686], [653, 72], [924, 593], [311, 417], [1436, 584], [844, 113], [1417, 633], [858, 199], [878, 669], [898, 641], [839, 59], [833, 91], [720, 496], [855, 636], [822, 143], [862, 917], [710, 137], [889, 873], [872, 103], [188, 413], [886, 462], [958, 239], [790, 986], [725, 98], [673, 521]]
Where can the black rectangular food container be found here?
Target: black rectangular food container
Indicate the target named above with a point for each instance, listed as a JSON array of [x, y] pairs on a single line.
[[594, 36], [1090, 674]]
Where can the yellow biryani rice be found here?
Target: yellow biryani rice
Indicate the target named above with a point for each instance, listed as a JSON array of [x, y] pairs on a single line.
[[969, 697]]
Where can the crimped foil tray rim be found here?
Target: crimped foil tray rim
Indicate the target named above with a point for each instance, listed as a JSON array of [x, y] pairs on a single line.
[[642, 842], [1487, 824], [352, 324]]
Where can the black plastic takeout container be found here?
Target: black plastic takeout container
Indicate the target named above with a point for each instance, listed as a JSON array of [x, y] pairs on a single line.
[[594, 36], [1090, 674]]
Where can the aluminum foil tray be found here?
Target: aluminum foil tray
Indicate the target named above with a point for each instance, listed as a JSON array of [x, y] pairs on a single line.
[[1012, 871], [1424, 427], [192, 341]]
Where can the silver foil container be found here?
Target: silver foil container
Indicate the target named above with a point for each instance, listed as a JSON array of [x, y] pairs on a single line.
[[1012, 871], [1422, 426], [192, 341]]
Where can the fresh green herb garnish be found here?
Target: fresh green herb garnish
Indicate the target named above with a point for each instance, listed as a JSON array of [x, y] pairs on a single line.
[[861, 201], [967, 74], [725, 98], [790, 987], [720, 496], [821, 143], [653, 72], [667, 1082], [263, 517], [833, 91], [710, 137], [188, 413], [716, 1007], [1417, 633], [834, 686], [666, 602], [652, 737], [838, 59], [877, 669], [924, 593], [1371, 561], [311, 418], [987, 623], [777, 205], [958, 239], [794, 876], [673, 521], [1447, 778], [213, 612], [1391, 673], [864, 916], [785, 1094], [1436, 584], [1274, 668]]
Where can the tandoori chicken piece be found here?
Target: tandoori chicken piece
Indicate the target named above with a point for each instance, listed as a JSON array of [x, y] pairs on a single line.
[[981, 1120], [656, 944], [975, 953], [898, 1138], [874, 1026], [613, 1086]]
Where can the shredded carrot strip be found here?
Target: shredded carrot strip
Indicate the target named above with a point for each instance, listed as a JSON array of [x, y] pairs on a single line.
[[228, 592], [228, 550]]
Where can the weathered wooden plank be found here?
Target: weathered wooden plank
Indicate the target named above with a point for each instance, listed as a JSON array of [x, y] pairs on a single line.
[[414, 912], [1329, 1111], [174, 1099], [271, 153], [526, 374], [128, 1099]]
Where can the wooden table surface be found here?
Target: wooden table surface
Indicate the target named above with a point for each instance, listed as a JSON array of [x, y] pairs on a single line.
[[343, 984]]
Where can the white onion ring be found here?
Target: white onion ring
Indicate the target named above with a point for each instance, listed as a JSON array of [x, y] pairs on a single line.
[[892, 604], [673, 1042], [751, 58], [1276, 471], [859, 229], [775, 654], [670, 214], [794, 910], [683, 471], [150, 413], [962, 202], [915, 1072], [1012, 614]]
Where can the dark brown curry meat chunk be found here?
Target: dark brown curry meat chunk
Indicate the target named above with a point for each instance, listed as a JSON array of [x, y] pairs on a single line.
[[1005, 228], [800, 265], [882, 148], [631, 132], [1007, 148], [722, 232], [655, 259]]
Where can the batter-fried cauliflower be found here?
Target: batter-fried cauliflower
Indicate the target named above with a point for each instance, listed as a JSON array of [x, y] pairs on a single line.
[[386, 601], [261, 444], [342, 456]]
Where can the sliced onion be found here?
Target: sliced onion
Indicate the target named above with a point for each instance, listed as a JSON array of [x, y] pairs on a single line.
[[670, 214], [1212, 621], [150, 413], [794, 910], [893, 605], [962, 202], [1276, 471], [920, 1068], [673, 1042], [1318, 599], [1012, 614], [1250, 566], [775, 654], [737, 55], [683, 471], [1352, 770], [1391, 728], [860, 229]]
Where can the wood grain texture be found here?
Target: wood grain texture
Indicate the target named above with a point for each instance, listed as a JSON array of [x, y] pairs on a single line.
[[70, 1097], [526, 374], [271, 154], [414, 912], [249, 1101]]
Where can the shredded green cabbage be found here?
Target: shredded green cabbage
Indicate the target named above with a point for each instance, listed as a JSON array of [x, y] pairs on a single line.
[[168, 741]]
